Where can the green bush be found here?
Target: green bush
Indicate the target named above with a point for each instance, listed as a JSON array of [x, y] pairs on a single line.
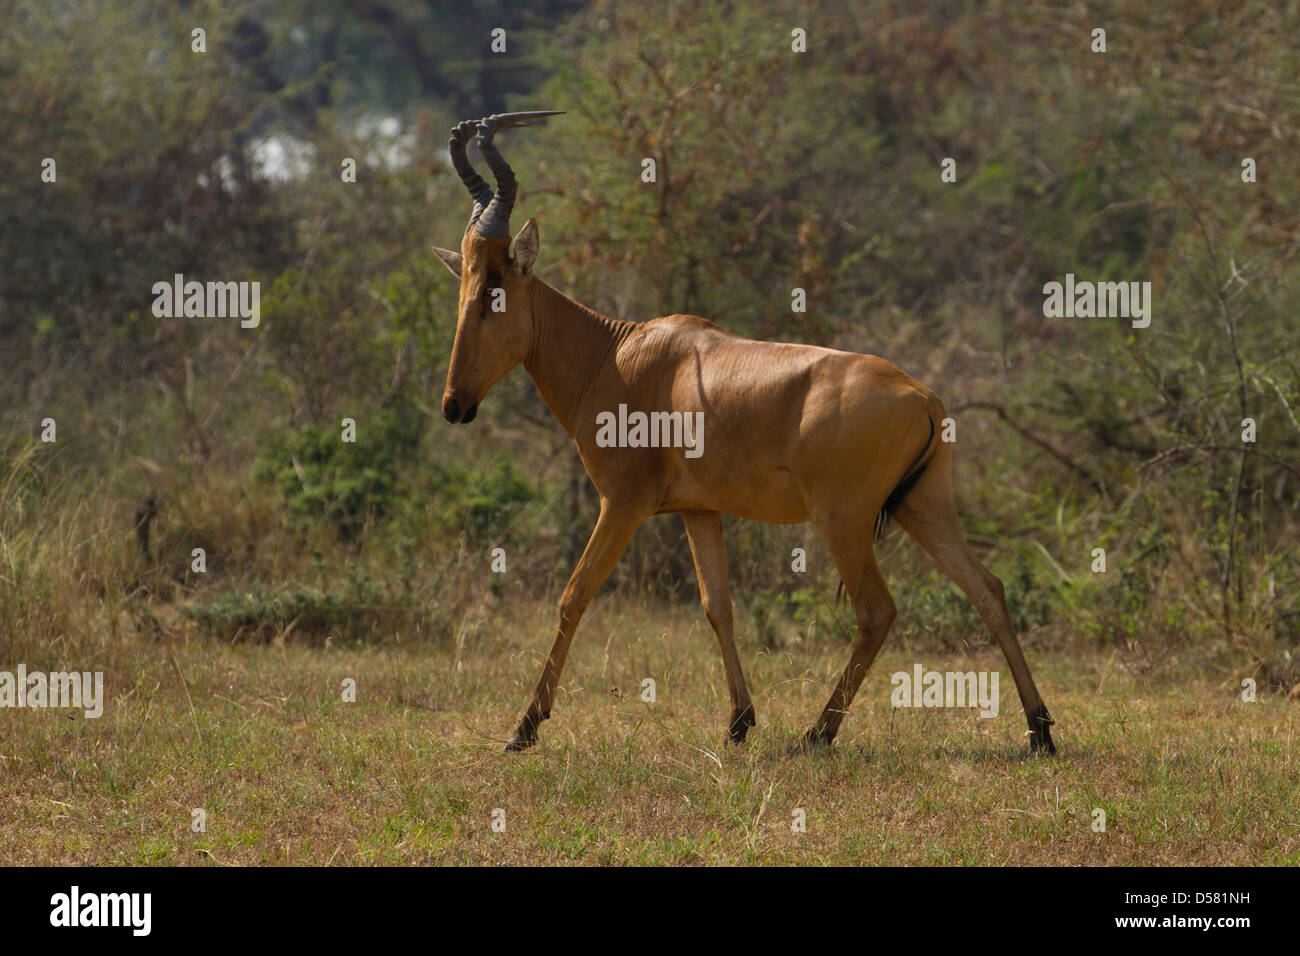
[[483, 502], [320, 476], [361, 607]]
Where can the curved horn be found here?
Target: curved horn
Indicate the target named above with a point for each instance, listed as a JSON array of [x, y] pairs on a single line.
[[494, 221], [477, 186]]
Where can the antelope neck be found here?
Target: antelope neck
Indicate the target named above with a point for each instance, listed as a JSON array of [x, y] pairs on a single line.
[[571, 345]]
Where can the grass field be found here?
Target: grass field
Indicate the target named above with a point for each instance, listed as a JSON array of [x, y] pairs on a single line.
[[411, 773]]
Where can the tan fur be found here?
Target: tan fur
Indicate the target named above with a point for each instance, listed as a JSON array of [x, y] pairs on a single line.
[[793, 433]]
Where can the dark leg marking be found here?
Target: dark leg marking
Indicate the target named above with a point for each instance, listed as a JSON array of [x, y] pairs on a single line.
[[741, 721], [1040, 731]]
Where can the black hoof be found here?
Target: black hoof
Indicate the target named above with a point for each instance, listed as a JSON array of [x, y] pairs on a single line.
[[1040, 732], [526, 734], [519, 742], [741, 721]]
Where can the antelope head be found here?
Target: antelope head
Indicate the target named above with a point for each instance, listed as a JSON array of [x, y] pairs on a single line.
[[494, 322]]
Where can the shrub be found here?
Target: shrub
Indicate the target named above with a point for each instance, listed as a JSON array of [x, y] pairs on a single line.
[[346, 483]]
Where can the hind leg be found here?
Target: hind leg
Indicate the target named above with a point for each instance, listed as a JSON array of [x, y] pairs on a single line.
[[927, 513], [851, 548]]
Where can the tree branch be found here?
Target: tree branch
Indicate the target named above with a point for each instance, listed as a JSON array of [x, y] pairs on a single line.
[[1029, 436]]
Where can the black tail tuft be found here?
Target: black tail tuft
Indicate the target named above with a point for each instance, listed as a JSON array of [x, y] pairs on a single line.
[[901, 490]]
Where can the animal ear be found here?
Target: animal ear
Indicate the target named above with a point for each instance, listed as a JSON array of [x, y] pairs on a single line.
[[527, 244], [449, 259]]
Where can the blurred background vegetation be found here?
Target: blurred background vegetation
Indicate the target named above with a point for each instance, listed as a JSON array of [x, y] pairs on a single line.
[[776, 170]]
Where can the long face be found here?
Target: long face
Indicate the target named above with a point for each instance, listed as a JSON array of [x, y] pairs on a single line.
[[494, 321]]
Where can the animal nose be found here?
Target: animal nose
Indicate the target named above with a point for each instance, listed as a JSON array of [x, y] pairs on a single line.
[[451, 410]]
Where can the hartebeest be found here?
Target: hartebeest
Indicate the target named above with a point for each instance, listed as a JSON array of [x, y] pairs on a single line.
[[796, 433]]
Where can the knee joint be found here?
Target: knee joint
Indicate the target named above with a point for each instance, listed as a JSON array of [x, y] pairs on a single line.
[[879, 618], [719, 617]]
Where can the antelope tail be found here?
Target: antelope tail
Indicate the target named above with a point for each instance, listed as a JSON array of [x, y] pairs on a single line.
[[905, 484]]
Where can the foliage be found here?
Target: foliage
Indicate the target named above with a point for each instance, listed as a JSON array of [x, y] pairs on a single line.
[[347, 484], [774, 170], [483, 502]]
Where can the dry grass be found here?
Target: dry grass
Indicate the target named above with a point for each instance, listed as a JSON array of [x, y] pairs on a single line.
[[411, 772]]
